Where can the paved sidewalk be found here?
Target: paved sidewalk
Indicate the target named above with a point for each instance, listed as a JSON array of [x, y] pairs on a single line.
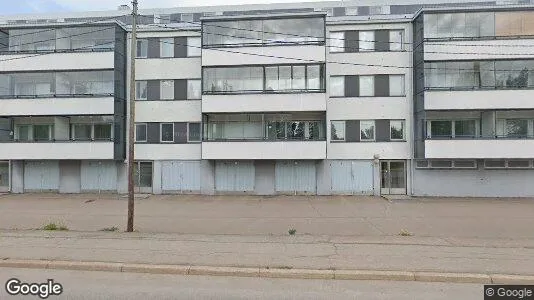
[[510, 219], [305, 252]]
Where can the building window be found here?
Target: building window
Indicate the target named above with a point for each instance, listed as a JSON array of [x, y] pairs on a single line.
[[367, 130], [337, 131], [453, 129], [396, 85], [163, 19], [337, 41], [367, 86], [513, 128], [167, 89], [166, 47], [193, 132], [142, 48], [194, 46], [337, 86], [43, 132], [440, 128], [23, 133], [82, 132], [167, 132], [143, 171], [396, 130], [194, 89], [367, 41], [140, 132], [186, 17], [260, 79], [140, 90], [102, 131]]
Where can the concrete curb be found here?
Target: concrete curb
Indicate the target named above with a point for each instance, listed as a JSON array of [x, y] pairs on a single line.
[[266, 272]]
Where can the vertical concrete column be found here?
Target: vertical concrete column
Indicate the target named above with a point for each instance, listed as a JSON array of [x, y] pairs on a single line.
[[61, 128], [207, 177], [376, 177], [324, 178], [17, 176], [488, 123], [156, 177]]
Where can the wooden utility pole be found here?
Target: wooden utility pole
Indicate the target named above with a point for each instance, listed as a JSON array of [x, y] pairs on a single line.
[[131, 120]]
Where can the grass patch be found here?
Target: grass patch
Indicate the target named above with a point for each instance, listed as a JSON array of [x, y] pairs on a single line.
[[292, 231], [113, 228], [54, 227], [405, 232]]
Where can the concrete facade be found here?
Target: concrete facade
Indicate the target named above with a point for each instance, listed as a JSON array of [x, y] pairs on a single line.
[[353, 103]]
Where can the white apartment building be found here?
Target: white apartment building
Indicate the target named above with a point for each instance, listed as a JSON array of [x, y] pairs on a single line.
[[321, 98]]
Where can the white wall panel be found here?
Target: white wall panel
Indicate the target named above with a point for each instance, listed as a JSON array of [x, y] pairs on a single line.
[[352, 177], [263, 55], [180, 176], [57, 61], [57, 106], [264, 150], [234, 176], [367, 150], [41, 176], [66, 150], [168, 68], [368, 108], [168, 111], [500, 148], [493, 99], [99, 176], [295, 177], [264, 102], [167, 151]]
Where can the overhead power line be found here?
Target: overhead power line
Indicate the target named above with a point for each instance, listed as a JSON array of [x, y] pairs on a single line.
[[206, 24], [315, 61]]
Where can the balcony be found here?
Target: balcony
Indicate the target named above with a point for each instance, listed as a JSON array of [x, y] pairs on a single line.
[[57, 150], [479, 99], [57, 105], [57, 61], [264, 102], [480, 148], [264, 150]]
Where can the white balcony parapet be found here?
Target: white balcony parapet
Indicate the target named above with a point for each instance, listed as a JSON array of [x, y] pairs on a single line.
[[480, 148], [264, 150], [57, 150]]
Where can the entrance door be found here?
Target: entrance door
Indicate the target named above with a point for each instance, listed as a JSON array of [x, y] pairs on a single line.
[[143, 180], [393, 177], [4, 176]]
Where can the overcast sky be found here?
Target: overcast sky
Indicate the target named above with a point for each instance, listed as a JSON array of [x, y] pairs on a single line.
[[8, 7]]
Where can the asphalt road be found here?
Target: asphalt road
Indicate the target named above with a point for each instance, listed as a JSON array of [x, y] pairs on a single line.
[[107, 285]]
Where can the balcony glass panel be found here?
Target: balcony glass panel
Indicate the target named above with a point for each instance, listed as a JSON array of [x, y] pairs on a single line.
[[498, 74], [26, 85], [263, 32], [262, 127], [263, 79], [86, 38]]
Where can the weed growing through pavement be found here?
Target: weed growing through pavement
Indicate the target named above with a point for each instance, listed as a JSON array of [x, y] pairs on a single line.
[[55, 227], [113, 228], [292, 231], [405, 232]]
